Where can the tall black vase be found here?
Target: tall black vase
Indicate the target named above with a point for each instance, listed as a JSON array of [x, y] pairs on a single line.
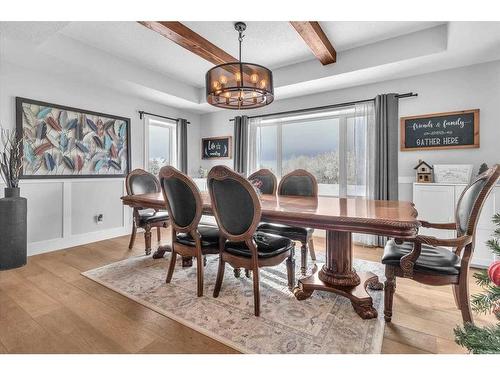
[[13, 232]]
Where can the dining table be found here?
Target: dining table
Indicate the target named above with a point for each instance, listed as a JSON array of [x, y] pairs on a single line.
[[340, 218]]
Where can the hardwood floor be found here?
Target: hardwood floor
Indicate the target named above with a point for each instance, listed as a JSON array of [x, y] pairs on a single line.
[[48, 307]]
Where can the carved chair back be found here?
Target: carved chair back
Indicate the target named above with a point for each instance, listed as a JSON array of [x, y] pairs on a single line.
[[140, 181], [235, 203], [299, 183], [268, 180], [182, 198], [472, 199]]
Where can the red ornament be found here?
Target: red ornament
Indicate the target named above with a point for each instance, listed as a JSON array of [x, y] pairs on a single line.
[[494, 272]]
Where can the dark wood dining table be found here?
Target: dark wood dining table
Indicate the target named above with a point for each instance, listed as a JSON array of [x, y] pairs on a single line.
[[340, 217]]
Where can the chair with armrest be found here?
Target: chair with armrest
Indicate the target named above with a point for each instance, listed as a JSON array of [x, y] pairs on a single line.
[[184, 206], [237, 210], [296, 183], [141, 182], [267, 179], [424, 260]]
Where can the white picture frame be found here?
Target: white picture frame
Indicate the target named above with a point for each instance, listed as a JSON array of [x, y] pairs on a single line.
[[453, 173]]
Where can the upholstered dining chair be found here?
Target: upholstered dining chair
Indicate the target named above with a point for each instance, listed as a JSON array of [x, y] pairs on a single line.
[[141, 182], [297, 183], [424, 260], [267, 179], [189, 238], [237, 210]]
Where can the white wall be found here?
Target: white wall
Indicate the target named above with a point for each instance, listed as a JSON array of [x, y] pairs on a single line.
[[61, 212], [476, 86]]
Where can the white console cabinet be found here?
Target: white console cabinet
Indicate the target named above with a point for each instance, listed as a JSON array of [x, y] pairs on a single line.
[[436, 203]]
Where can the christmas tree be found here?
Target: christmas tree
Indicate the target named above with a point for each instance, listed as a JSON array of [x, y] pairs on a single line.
[[485, 340]]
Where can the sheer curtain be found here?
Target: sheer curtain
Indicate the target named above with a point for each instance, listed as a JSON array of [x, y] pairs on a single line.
[[361, 159], [254, 146]]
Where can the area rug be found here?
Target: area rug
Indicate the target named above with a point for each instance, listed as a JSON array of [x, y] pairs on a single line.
[[324, 323]]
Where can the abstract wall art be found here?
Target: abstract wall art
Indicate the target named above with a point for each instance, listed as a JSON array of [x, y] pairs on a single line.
[[65, 142]]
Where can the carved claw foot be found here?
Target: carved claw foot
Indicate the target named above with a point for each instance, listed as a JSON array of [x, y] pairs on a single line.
[[365, 310], [148, 251], [301, 294], [247, 273], [237, 272], [387, 316], [375, 285]]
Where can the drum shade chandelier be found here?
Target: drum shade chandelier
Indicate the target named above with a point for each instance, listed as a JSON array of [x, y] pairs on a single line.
[[239, 85]]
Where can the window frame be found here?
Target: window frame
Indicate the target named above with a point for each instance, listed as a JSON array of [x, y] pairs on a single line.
[[162, 123], [342, 114]]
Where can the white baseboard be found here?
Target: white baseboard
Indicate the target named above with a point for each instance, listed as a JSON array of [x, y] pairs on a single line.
[[41, 247]]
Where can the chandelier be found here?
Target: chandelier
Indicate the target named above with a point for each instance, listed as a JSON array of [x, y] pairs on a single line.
[[239, 85]]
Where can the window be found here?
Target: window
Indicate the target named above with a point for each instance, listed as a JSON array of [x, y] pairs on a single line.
[[160, 148], [329, 144]]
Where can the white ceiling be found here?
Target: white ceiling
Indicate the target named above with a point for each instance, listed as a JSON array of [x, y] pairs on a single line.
[[127, 56]]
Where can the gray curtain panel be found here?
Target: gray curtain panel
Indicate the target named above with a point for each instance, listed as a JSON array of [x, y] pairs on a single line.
[[386, 149], [182, 158], [240, 144]]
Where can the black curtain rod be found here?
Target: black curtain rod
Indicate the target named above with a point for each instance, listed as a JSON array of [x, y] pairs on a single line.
[[142, 113], [406, 95]]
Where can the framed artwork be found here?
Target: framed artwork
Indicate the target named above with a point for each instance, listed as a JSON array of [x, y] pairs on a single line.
[[453, 173], [66, 142], [216, 147], [440, 131]]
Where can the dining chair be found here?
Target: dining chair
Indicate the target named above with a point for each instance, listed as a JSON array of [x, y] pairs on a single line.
[[141, 182], [296, 183], [424, 260], [267, 179], [237, 210], [189, 238]]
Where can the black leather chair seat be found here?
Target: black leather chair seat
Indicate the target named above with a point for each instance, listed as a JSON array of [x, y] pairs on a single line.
[[268, 245], [152, 217], [209, 237], [436, 260], [294, 233]]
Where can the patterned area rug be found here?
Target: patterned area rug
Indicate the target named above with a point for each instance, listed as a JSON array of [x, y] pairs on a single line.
[[324, 323]]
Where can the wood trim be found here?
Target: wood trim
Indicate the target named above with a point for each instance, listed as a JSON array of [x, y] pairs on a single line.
[[387, 218], [230, 146], [402, 132], [303, 173], [265, 172], [316, 40], [188, 39], [221, 173], [171, 172], [139, 172]]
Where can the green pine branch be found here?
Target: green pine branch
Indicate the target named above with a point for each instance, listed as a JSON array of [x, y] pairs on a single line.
[[482, 278], [484, 302], [477, 340], [494, 245]]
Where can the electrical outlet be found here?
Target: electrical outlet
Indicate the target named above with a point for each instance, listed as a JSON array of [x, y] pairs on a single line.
[[99, 218]]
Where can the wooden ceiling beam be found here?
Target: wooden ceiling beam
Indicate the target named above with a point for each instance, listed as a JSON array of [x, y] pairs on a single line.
[[188, 39], [316, 39]]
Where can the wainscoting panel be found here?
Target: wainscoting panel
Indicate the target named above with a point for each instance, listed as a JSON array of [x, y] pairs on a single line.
[[45, 210], [91, 198], [61, 213]]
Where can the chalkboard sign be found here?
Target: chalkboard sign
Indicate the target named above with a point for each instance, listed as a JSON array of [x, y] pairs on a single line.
[[216, 148], [440, 131]]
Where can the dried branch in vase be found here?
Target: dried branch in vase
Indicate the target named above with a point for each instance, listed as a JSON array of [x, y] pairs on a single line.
[[11, 157]]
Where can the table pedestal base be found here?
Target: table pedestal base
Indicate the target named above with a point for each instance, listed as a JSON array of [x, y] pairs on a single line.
[[360, 299], [160, 252]]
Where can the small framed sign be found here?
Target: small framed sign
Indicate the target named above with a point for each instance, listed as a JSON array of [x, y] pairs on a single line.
[[436, 131], [216, 147]]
